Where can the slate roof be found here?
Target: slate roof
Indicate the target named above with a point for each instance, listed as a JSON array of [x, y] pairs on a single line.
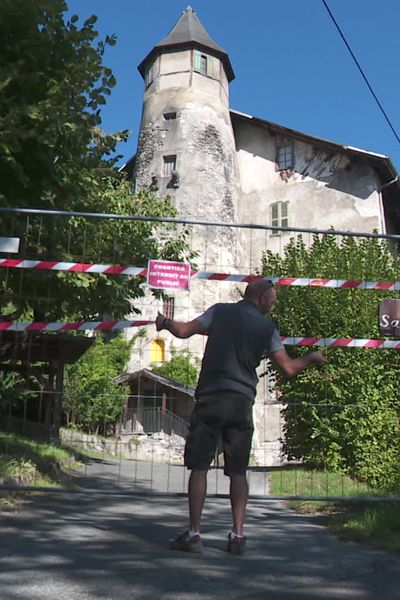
[[188, 32]]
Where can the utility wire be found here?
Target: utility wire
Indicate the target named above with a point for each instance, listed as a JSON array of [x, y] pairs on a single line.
[[361, 71]]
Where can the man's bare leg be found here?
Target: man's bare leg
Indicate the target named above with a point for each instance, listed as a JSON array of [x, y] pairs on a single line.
[[197, 495], [239, 491]]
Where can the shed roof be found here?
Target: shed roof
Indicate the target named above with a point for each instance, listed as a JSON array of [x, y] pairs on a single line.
[[32, 348], [149, 375]]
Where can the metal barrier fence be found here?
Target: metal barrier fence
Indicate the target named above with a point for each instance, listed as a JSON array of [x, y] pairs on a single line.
[[77, 274], [150, 459]]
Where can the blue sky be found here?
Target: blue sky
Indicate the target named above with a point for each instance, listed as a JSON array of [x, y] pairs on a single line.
[[290, 63]]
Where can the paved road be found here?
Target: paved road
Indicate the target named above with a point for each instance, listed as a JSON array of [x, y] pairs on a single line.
[[140, 476], [106, 546]]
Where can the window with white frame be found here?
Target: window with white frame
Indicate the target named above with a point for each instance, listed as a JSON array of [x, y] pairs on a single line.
[[169, 165], [203, 63], [279, 215], [284, 157]]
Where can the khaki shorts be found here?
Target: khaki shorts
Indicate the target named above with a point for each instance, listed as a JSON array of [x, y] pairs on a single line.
[[226, 415]]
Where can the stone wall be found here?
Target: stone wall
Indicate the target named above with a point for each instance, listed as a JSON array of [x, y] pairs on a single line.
[[157, 447]]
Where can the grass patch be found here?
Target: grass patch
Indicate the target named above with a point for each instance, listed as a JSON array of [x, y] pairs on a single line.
[[299, 481], [375, 524], [84, 454], [26, 462]]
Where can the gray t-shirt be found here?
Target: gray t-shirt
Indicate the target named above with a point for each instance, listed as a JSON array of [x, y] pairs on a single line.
[[238, 337], [273, 343]]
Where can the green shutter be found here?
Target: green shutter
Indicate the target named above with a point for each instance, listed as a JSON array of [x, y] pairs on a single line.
[[197, 61], [285, 214], [210, 70], [275, 217]]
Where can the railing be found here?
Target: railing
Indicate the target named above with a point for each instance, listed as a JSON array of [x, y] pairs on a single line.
[[153, 420]]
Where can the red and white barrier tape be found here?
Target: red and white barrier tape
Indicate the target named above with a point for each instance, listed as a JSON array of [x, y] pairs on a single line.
[[78, 326], [341, 342], [36, 326], [43, 265], [304, 281], [55, 265]]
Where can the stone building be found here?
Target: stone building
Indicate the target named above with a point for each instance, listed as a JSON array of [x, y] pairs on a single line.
[[221, 165]]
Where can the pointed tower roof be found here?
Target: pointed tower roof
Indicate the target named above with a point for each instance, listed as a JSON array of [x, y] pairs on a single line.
[[188, 32]]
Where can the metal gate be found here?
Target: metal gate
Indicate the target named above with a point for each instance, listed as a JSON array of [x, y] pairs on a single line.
[[62, 298]]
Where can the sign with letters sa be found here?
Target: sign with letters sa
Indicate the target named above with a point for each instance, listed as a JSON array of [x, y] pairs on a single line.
[[389, 317]]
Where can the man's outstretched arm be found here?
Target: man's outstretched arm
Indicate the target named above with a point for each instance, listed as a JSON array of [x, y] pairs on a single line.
[[293, 366], [179, 329]]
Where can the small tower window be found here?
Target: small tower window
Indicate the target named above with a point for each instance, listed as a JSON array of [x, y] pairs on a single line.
[[279, 215], [202, 63], [149, 75], [169, 165], [170, 116], [169, 307], [284, 157]]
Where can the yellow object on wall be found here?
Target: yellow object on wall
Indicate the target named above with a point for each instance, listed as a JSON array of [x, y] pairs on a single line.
[[157, 350]]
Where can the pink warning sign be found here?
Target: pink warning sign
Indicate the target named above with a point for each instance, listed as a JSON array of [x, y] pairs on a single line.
[[168, 275]]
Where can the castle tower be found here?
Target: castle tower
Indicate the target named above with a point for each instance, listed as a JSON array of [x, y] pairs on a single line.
[[186, 145], [187, 150]]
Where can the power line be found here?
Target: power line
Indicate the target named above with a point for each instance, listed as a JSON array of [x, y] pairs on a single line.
[[361, 71]]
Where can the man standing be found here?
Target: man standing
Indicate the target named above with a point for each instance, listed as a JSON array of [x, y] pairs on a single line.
[[238, 337]]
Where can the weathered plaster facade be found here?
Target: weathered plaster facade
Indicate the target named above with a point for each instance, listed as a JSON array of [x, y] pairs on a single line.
[[326, 187], [225, 169]]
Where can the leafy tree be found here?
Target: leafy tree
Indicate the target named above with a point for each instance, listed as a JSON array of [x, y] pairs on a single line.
[[344, 418], [49, 295], [180, 368], [54, 155], [53, 85], [92, 400], [12, 392]]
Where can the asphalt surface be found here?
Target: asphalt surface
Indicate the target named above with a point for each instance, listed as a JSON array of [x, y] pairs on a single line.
[[113, 544], [137, 476]]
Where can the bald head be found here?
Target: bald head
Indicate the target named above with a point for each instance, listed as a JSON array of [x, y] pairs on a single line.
[[261, 292], [257, 287]]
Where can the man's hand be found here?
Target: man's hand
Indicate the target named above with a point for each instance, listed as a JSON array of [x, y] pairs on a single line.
[[293, 366], [318, 358], [161, 321], [179, 329]]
